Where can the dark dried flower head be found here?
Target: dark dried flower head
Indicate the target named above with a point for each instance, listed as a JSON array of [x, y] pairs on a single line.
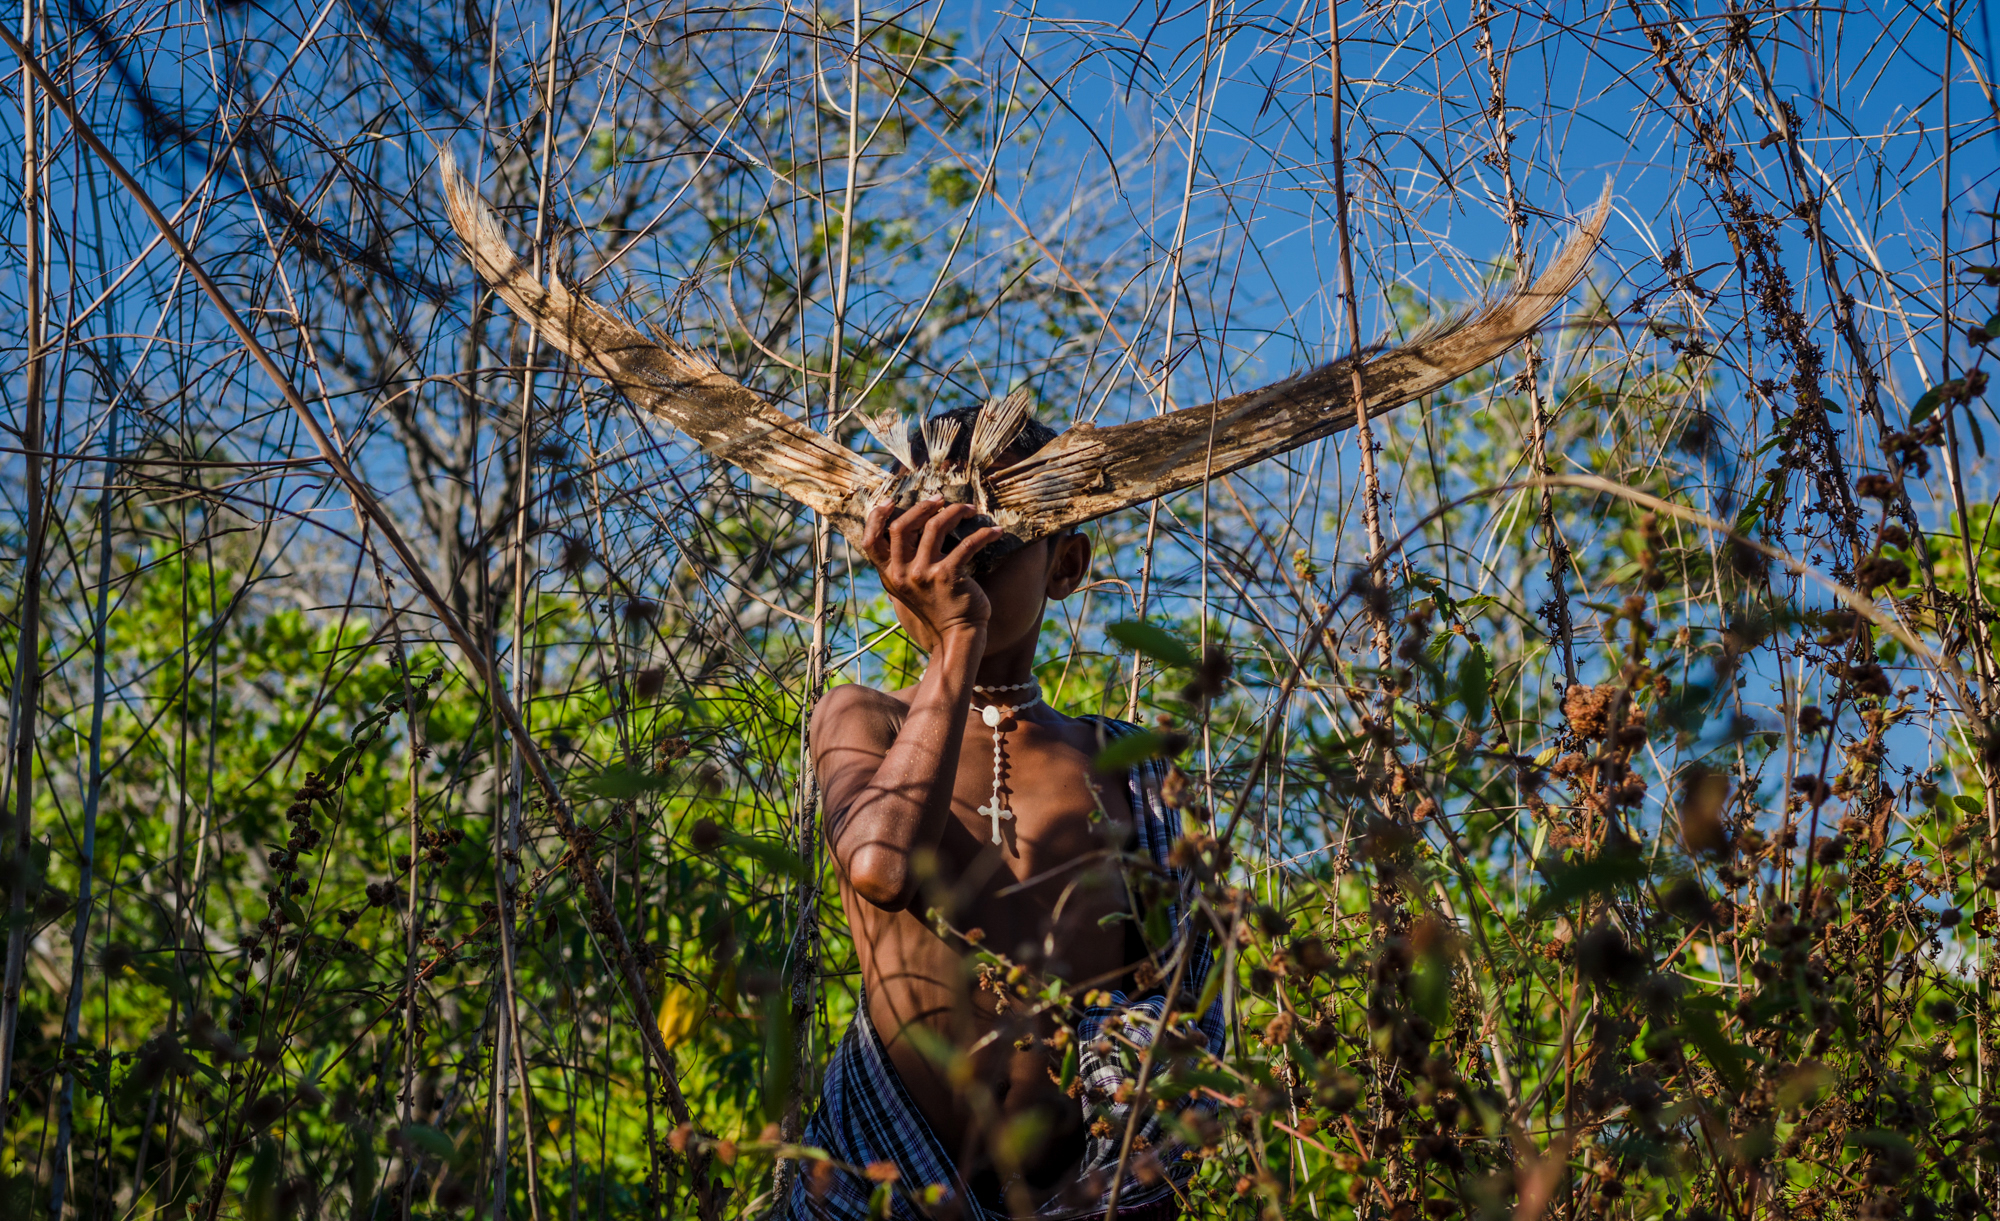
[[1879, 570], [1588, 709], [1211, 677], [705, 836], [265, 1111], [1373, 594], [1702, 794], [575, 555], [1309, 955], [1747, 561], [640, 612], [1604, 955], [1875, 487]]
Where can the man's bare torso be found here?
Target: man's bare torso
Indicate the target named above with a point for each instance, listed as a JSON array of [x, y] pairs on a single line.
[[1043, 897]]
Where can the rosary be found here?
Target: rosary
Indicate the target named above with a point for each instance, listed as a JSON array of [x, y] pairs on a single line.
[[993, 715]]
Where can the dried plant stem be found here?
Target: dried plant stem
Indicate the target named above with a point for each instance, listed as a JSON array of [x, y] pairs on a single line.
[[507, 829], [27, 661], [1371, 483], [1531, 348], [801, 964], [87, 855], [1162, 386], [1371, 478], [1975, 613]]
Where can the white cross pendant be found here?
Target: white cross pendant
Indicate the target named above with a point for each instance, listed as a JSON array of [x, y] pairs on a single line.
[[995, 811]]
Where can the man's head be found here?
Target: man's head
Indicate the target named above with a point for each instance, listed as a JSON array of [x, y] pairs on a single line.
[[1030, 437], [1020, 581]]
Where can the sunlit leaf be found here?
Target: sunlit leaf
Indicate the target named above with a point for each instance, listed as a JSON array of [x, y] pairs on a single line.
[[1152, 641], [1123, 752]]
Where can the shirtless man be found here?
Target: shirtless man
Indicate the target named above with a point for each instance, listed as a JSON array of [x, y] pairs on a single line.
[[909, 779]]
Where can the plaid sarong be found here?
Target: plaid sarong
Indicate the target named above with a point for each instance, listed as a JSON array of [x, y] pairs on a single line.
[[866, 1116]]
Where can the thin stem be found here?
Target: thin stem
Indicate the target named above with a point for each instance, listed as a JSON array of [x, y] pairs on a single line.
[[86, 864], [27, 662]]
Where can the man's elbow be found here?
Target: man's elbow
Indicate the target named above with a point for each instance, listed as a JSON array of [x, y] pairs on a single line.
[[882, 877]]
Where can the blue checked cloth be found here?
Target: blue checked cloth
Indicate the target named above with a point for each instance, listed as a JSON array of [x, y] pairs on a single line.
[[865, 1115]]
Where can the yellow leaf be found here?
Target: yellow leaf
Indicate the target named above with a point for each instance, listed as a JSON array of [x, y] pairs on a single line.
[[681, 1013]]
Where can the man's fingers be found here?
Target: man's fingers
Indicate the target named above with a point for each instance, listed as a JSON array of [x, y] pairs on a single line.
[[972, 544], [875, 535], [931, 549], [903, 534]]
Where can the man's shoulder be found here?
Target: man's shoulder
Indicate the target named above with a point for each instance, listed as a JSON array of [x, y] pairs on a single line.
[[1104, 726], [852, 702]]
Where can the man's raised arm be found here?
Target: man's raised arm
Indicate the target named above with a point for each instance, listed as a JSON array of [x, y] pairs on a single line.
[[888, 787]]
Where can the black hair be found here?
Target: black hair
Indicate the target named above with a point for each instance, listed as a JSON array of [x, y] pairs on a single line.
[[1033, 435]]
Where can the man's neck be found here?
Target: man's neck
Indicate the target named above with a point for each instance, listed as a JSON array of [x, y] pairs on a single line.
[[1001, 672]]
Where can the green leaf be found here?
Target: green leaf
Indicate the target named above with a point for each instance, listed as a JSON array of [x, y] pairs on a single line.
[[952, 185], [770, 854], [335, 770], [260, 1194], [1894, 1145], [1153, 641], [1069, 1066], [1430, 989], [779, 1054], [1598, 875], [1187, 1082], [1701, 1027], [1210, 991], [1978, 435], [166, 977], [621, 782], [1921, 409], [429, 1141], [361, 1173], [1992, 326], [1128, 750], [1475, 676], [293, 912]]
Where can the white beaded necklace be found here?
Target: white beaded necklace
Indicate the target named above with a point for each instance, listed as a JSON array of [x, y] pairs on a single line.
[[993, 714]]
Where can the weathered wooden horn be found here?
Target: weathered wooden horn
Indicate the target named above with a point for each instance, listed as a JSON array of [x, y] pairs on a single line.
[[678, 384], [1083, 474], [1089, 472]]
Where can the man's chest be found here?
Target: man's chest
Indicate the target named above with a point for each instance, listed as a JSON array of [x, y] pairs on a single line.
[[1036, 805]]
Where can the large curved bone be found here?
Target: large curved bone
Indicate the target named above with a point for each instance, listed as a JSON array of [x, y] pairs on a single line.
[[1084, 474]]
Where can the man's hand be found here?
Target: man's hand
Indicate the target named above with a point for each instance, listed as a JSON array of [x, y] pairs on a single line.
[[934, 585]]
